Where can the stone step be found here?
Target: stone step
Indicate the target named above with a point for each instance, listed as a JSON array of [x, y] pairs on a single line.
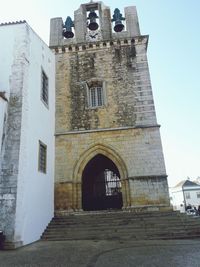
[[124, 229], [125, 225], [130, 236], [119, 215], [120, 222], [122, 225]]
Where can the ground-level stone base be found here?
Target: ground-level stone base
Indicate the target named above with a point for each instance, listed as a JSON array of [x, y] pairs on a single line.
[[135, 153], [12, 245], [139, 193], [142, 209]]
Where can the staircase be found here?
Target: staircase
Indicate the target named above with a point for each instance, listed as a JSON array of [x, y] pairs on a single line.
[[122, 225]]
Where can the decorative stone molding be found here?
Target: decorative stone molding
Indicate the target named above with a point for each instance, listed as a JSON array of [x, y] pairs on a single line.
[[138, 40]]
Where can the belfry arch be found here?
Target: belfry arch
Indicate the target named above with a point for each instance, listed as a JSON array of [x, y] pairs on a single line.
[[112, 162]]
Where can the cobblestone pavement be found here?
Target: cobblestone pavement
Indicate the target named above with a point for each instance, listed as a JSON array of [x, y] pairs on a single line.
[[173, 253]]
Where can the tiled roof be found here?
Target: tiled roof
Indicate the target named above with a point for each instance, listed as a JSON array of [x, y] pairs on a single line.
[[180, 183], [186, 183], [12, 23]]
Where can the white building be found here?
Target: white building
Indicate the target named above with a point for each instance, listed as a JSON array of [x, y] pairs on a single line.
[[184, 193], [26, 133]]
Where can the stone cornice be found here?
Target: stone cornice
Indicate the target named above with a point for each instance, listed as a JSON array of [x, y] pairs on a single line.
[[161, 176], [106, 129], [137, 40]]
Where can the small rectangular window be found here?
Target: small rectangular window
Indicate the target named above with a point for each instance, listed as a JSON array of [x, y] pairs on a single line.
[[96, 97], [198, 194], [99, 96], [42, 157], [45, 89], [93, 97], [187, 195]]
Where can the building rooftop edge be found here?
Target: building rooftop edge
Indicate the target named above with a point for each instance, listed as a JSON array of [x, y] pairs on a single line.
[[2, 95], [12, 23]]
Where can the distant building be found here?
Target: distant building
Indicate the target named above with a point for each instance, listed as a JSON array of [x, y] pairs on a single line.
[[26, 133], [184, 193]]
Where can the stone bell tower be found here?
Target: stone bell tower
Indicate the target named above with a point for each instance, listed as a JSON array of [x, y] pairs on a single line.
[[108, 146]]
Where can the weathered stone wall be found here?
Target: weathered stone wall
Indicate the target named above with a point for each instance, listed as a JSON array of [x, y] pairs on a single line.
[[124, 129], [149, 191], [126, 123], [128, 94], [140, 151]]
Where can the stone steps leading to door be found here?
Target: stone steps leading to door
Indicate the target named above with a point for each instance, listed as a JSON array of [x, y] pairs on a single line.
[[122, 225]]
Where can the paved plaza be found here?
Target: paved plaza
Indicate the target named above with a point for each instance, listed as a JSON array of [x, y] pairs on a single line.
[[173, 253]]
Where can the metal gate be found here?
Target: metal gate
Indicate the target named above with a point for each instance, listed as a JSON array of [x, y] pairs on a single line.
[[107, 191]]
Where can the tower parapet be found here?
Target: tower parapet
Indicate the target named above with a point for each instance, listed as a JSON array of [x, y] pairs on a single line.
[[87, 15]]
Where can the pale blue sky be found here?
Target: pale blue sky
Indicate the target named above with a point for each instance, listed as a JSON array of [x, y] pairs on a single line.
[[174, 61]]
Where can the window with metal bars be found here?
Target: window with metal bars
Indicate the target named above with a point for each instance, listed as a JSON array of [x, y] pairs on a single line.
[[96, 97], [112, 183], [45, 88], [42, 163]]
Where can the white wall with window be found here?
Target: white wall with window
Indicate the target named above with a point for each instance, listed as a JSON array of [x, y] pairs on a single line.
[[35, 188], [37, 159], [185, 193], [44, 88]]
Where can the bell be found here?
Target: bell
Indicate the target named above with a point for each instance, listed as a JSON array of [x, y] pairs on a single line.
[[93, 25], [117, 17], [67, 29], [118, 26], [68, 34]]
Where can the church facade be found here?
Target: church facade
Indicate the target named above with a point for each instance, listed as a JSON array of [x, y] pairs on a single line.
[[84, 105], [108, 152]]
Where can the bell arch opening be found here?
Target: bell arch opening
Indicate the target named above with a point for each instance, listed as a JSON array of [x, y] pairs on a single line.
[[101, 185]]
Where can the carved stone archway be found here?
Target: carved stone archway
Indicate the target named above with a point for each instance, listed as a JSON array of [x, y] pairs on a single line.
[[83, 161]]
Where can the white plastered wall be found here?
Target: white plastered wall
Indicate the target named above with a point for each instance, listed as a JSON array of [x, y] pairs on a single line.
[[35, 190], [6, 59]]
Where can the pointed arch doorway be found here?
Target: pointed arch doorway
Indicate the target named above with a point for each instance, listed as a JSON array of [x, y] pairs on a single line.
[[101, 185]]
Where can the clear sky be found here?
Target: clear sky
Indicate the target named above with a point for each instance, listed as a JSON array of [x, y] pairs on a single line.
[[174, 61]]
